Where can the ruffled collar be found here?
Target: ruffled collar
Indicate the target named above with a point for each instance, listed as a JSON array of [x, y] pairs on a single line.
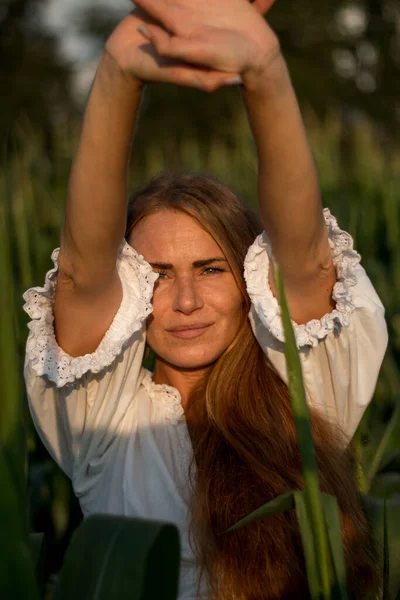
[[166, 396]]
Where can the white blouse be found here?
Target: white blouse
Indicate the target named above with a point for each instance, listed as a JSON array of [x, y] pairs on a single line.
[[123, 440]]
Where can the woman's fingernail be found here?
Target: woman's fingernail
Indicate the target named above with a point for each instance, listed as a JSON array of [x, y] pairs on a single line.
[[233, 81], [144, 31]]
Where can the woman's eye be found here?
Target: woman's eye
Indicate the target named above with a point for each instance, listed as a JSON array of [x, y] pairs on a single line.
[[211, 270], [161, 274]]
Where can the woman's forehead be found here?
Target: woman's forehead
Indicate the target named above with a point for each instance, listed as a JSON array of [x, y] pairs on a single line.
[[173, 236]]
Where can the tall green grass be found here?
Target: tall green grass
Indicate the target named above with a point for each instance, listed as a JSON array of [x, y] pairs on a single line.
[[33, 189], [17, 577]]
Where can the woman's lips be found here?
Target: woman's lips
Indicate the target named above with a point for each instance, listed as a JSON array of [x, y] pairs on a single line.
[[189, 332]]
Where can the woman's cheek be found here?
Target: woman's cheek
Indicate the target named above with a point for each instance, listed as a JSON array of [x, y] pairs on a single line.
[[157, 318], [228, 300]]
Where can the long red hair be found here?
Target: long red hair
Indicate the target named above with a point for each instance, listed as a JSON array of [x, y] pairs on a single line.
[[245, 447]]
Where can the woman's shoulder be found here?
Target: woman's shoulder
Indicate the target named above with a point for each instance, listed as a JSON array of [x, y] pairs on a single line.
[[342, 352], [353, 290], [49, 360]]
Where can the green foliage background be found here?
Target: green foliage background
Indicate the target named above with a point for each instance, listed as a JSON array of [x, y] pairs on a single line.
[[353, 134]]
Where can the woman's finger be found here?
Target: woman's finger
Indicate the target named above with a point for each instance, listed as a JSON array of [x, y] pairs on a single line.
[[222, 35], [263, 6], [195, 51], [158, 10], [201, 79]]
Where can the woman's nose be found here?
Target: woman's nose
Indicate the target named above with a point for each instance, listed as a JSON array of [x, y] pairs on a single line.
[[187, 296]]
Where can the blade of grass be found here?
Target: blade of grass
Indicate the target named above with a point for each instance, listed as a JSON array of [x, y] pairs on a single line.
[[17, 577], [12, 436], [20, 178], [332, 518], [307, 539], [384, 517], [306, 445], [392, 535], [387, 447], [277, 505]]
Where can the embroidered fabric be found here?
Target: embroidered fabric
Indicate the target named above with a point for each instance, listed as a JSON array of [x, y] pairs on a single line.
[[45, 355], [345, 259], [48, 359], [165, 396]]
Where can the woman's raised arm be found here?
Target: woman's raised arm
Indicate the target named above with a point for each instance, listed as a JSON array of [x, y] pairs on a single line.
[[288, 193], [88, 289], [95, 213]]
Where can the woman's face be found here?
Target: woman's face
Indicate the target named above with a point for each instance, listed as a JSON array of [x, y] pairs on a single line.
[[197, 304]]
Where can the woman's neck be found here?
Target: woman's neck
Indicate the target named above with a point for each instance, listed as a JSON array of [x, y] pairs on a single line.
[[184, 380]]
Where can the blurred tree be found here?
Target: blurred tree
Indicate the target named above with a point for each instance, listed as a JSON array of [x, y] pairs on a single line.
[[34, 79], [343, 56]]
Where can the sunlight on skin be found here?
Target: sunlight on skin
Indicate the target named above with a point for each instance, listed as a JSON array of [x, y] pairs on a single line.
[[198, 308]]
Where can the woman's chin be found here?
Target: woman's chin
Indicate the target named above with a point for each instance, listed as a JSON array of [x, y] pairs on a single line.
[[190, 360]]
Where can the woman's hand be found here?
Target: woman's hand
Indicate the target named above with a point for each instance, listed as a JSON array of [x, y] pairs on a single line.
[[224, 35], [141, 60]]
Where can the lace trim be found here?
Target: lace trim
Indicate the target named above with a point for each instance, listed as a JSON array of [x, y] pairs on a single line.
[[345, 259], [45, 355], [165, 396]]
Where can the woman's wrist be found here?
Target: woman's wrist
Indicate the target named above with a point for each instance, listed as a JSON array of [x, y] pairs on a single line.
[[267, 76], [115, 70]]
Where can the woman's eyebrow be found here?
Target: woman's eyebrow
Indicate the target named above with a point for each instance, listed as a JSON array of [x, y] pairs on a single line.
[[198, 263], [161, 266], [208, 261]]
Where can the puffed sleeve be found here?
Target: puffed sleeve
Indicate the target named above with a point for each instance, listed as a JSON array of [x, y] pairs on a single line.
[[341, 354], [77, 403]]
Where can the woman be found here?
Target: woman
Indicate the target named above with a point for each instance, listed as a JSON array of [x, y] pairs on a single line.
[[209, 436]]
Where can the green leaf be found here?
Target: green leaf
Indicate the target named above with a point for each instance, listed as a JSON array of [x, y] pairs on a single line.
[[310, 552], [296, 499], [393, 543], [332, 517], [386, 568], [273, 507], [12, 436], [17, 578], [385, 485], [118, 558], [312, 497], [11, 524], [384, 516], [388, 446]]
